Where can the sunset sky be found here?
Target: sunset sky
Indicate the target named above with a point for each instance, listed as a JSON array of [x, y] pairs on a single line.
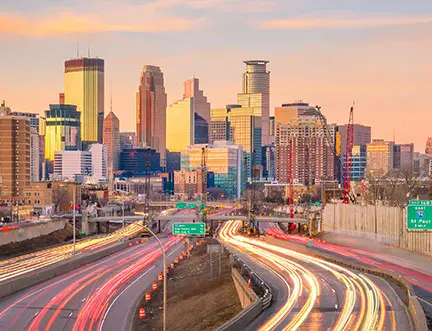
[[325, 52]]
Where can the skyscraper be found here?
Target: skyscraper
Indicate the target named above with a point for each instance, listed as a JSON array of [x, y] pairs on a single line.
[[63, 130], [14, 155], [303, 150], [151, 104], [428, 148], [256, 93], [85, 88], [241, 126], [99, 157], [111, 138], [188, 119], [70, 164], [201, 108], [403, 157]]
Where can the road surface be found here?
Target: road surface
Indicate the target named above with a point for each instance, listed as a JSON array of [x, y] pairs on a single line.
[[313, 294], [419, 278]]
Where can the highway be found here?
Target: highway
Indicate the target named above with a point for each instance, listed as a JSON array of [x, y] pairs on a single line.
[[13, 267], [421, 282], [97, 296], [313, 294]]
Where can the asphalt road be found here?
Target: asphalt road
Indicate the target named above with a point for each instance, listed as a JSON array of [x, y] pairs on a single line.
[[419, 279], [97, 296], [312, 294]]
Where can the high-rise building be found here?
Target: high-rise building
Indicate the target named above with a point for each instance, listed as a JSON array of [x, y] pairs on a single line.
[[422, 165], [111, 138], [127, 140], [362, 135], [359, 162], [240, 126], [189, 183], [151, 105], [99, 161], [63, 130], [256, 93], [85, 88], [72, 164], [35, 143], [224, 159], [14, 155], [380, 157], [403, 157], [188, 119], [268, 161], [272, 131], [302, 149], [291, 111], [34, 155], [201, 108]]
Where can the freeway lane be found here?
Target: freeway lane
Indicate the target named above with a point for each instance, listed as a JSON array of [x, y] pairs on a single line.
[[318, 295], [94, 297], [421, 282], [13, 267]]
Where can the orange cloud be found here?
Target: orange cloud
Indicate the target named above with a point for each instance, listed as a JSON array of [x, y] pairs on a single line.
[[74, 24], [310, 23]]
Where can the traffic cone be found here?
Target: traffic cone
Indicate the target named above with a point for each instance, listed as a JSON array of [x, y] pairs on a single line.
[[142, 313], [147, 296]]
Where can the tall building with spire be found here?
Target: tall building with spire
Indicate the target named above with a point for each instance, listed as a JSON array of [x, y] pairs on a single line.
[[256, 93], [201, 108], [85, 88], [111, 138], [151, 104]]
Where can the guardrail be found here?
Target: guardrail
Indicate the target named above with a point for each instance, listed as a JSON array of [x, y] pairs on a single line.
[[263, 300]]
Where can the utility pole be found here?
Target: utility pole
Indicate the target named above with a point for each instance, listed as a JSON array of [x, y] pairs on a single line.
[[74, 220]]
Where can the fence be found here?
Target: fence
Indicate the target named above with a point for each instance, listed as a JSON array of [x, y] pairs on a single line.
[[387, 225]]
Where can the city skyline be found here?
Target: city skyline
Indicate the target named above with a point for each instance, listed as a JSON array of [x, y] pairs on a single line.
[[377, 59]]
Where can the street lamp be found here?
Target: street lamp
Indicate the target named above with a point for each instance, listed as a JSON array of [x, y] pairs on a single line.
[[164, 274], [73, 218]]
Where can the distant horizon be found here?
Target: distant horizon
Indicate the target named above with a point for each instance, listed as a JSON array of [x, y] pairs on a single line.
[[376, 54]]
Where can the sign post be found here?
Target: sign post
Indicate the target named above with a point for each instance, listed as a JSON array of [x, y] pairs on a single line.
[[189, 228], [419, 215]]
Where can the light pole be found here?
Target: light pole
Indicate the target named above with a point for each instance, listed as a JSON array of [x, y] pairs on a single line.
[[73, 218], [164, 275], [123, 218]]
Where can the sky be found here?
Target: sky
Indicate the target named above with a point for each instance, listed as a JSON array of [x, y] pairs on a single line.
[[326, 52]]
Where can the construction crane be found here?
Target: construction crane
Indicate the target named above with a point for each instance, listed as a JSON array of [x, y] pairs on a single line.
[[347, 171]]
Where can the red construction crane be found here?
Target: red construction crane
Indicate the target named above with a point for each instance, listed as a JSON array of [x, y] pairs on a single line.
[[348, 158]]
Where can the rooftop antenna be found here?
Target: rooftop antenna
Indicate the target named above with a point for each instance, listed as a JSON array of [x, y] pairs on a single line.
[[111, 96], [77, 50], [89, 49]]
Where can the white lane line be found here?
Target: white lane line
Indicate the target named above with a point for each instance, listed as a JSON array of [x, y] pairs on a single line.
[[118, 296], [84, 299], [333, 290], [35, 314], [172, 252], [71, 313]]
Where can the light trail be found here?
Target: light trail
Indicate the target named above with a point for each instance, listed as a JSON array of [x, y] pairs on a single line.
[[31, 262], [364, 303]]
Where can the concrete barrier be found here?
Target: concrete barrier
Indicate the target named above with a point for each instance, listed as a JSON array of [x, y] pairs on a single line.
[[21, 282], [246, 295], [30, 230]]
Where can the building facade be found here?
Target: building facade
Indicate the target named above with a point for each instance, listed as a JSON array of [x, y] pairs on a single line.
[[14, 155], [85, 88], [201, 109], [127, 140], [224, 159], [189, 184], [151, 105], [34, 155], [302, 150], [256, 93], [138, 161], [240, 126], [70, 164], [111, 138], [62, 130], [99, 162], [403, 157], [380, 157]]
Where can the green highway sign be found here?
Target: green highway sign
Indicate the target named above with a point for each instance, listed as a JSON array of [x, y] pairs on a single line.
[[189, 228], [419, 215], [192, 205], [181, 205]]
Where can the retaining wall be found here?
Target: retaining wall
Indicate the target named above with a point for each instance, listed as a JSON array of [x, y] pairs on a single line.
[[30, 230], [386, 225]]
